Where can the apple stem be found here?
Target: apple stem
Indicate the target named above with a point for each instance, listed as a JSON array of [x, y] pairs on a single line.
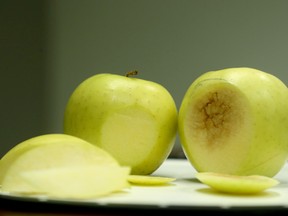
[[131, 73]]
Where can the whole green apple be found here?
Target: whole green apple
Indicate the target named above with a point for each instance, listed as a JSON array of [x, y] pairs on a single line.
[[133, 119], [235, 121]]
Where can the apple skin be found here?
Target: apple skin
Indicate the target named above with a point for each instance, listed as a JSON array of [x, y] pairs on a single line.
[[133, 119], [256, 142]]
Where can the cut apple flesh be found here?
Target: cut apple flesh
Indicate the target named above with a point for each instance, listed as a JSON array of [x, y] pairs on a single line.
[[217, 124], [137, 127], [47, 156], [149, 180], [75, 182], [235, 184], [53, 151]]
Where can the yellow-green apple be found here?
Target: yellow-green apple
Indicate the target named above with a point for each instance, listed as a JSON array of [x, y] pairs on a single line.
[[235, 121], [133, 119], [40, 156]]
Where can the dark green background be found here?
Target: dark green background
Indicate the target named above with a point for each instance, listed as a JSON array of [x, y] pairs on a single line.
[[48, 47]]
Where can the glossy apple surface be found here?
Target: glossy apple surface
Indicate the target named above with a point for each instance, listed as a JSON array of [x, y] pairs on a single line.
[[235, 121], [133, 119]]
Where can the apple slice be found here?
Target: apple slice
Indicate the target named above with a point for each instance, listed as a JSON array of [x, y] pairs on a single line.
[[149, 180], [76, 182], [47, 152], [235, 184]]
